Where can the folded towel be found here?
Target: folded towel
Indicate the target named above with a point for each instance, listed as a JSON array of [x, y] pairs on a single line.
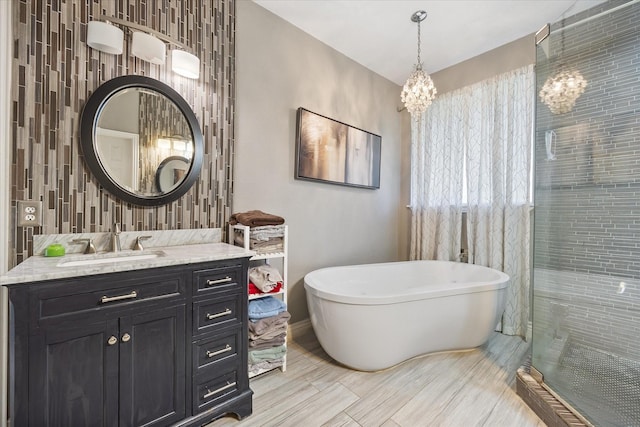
[[270, 334], [265, 365], [261, 326], [265, 277], [273, 342], [253, 289], [265, 307], [257, 356], [266, 232], [255, 218]]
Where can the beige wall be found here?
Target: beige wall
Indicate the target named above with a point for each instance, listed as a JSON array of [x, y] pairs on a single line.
[[280, 68], [510, 56]]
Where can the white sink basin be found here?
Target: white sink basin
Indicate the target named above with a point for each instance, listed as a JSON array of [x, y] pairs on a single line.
[[109, 258]]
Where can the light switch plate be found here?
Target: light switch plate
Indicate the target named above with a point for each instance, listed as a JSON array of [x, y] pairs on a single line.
[[29, 213]]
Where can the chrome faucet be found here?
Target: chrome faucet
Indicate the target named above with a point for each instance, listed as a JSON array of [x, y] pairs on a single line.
[[138, 245], [90, 248], [115, 238]]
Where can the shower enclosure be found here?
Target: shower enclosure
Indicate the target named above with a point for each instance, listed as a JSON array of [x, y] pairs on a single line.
[[586, 275]]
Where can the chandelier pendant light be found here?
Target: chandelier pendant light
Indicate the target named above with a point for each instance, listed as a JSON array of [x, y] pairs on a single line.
[[561, 90], [419, 91]]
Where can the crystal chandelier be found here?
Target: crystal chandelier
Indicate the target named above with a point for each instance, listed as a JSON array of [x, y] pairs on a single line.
[[418, 92], [561, 91]]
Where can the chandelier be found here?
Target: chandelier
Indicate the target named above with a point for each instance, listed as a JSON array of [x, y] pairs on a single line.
[[418, 92], [561, 91]]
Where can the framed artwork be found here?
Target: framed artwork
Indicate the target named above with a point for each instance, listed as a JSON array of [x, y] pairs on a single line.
[[333, 152]]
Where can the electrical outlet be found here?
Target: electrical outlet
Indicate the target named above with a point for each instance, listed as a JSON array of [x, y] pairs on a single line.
[[29, 213]]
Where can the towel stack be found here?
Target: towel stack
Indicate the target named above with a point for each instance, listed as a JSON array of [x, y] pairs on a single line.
[[264, 279], [255, 219], [268, 319], [267, 231]]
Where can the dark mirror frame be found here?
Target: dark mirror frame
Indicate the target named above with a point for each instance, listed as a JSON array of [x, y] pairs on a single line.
[[89, 118]]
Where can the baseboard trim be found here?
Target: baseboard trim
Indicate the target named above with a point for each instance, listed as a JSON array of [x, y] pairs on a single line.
[[298, 328]]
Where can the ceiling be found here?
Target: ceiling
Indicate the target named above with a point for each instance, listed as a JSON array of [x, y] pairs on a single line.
[[379, 34]]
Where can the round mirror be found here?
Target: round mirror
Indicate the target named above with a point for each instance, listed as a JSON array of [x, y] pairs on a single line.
[[141, 140]]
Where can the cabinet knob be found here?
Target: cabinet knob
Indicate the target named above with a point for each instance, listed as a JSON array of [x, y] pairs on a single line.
[[112, 340], [126, 337]]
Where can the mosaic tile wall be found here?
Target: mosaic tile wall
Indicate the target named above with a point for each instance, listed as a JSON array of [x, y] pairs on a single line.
[[587, 195], [54, 74]]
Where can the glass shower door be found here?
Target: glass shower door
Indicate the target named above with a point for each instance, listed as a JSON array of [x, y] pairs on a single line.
[[586, 287]]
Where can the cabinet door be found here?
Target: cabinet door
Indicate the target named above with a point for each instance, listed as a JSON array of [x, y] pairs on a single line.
[[73, 376], [152, 367]]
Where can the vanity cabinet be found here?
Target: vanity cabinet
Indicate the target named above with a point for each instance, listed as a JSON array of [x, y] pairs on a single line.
[[153, 347], [85, 382]]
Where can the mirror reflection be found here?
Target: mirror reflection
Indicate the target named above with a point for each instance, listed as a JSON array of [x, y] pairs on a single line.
[[143, 141]]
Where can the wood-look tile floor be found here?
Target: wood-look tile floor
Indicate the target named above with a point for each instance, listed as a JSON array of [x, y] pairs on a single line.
[[473, 388]]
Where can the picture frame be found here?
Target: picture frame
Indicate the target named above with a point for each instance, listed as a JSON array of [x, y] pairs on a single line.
[[334, 152]]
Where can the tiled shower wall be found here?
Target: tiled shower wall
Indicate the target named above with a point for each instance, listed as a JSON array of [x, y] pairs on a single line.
[[54, 73], [587, 199]]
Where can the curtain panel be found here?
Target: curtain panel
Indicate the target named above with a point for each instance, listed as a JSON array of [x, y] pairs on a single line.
[[472, 150]]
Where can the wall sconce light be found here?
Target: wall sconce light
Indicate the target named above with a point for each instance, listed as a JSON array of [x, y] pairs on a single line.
[[148, 48], [105, 37], [176, 143], [179, 145], [164, 143], [146, 44], [185, 64]]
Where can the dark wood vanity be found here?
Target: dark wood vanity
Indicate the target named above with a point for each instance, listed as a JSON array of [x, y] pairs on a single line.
[[155, 347]]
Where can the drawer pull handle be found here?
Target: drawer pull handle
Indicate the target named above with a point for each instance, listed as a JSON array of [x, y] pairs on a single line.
[[215, 316], [216, 282], [112, 340], [215, 353], [223, 388], [106, 299]]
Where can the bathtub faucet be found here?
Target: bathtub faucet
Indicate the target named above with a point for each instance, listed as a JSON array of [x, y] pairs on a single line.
[[463, 257]]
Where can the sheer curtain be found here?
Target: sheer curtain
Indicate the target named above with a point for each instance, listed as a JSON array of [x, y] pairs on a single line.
[[498, 190], [437, 155], [480, 134]]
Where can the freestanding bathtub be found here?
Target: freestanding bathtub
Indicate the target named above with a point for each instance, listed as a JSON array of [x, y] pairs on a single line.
[[372, 317]]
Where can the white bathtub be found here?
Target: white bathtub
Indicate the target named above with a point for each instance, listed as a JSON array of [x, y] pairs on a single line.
[[372, 317]]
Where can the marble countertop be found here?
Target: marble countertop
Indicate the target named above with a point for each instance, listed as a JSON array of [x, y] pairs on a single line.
[[40, 268]]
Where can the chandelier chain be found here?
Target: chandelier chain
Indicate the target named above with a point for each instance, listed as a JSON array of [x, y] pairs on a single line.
[[418, 43]]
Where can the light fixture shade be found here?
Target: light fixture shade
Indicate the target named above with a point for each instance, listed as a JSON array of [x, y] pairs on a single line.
[[561, 91], [149, 48], [418, 92], [105, 37], [185, 64]]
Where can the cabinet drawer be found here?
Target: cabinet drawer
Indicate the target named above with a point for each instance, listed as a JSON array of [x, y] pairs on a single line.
[[215, 353], [216, 391], [74, 297], [218, 279], [212, 314]]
